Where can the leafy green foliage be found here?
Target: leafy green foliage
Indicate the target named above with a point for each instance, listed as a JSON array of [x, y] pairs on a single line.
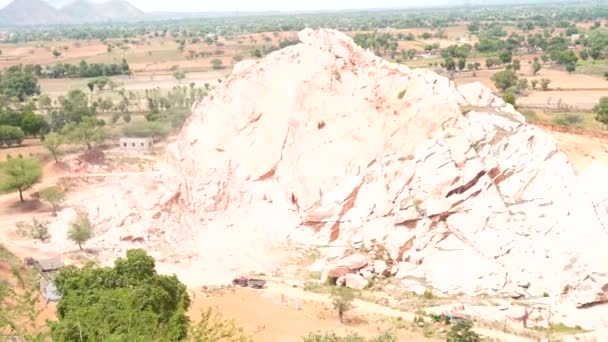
[[54, 196], [16, 82], [10, 135], [74, 108], [601, 110], [342, 300], [81, 230], [65, 70], [535, 66], [53, 142], [33, 124], [510, 97], [463, 332], [505, 56], [87, 132], [128, 302], [544, 83], [179, 75], [20, 174], [504, 79]]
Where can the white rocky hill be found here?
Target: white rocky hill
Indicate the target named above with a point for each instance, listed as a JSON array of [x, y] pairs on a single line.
[[325, 142]]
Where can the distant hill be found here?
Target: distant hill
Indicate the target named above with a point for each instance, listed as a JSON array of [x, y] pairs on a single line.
[[39, 12], [31, 12], [114, 10]]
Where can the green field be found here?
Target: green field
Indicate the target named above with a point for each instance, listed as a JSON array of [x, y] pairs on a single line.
[[597, 68]]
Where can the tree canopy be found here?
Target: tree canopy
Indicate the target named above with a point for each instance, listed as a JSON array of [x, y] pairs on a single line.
[[127, 302], [505, 79], [53, 142], [601, 110], [16, 82], [86, 132], [10, 136], [20, 174]]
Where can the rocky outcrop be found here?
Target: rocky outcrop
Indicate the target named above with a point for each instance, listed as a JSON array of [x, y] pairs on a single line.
[[328, 143]]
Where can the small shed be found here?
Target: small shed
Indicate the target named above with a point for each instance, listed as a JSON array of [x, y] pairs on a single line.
[[136, 144], [49, 265]]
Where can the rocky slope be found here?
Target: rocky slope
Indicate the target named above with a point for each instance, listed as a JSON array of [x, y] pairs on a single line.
[[327, 143], [342, 144]]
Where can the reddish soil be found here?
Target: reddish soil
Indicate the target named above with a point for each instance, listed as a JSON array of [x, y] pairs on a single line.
[[267, 319]]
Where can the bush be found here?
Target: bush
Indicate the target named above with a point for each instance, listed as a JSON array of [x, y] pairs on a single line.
[[36, 230], [544, 83], [10, 136], [401, 94], [342, 300], [601, 110], [530, 115], [332, 337], [463, 332], [510, 97], [568, 120]]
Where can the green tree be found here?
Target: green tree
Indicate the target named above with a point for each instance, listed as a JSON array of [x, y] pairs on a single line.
[[544, 57], [53, 142], [33, 124], [16, 82], [522, 86], [449, 64], [81, 230], [510, 97], [544, 83], [74, 109], [87, 132], [504, 79], [601, 110], [10, 136], [127, 302], [505, 56], [516, 64], [463, 332], [216, 63], [20, 174], [462, 64], [535, 66], [179, 75], [342, 300], [54, 196], [45, 103], [534, 83]]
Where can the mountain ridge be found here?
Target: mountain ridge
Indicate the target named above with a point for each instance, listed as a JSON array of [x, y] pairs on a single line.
[[39, 12]]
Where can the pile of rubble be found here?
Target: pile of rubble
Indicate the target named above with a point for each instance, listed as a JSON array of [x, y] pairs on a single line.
[[90, 161]]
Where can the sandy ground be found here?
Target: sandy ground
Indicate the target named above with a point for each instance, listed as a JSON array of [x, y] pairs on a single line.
[[266, 318]]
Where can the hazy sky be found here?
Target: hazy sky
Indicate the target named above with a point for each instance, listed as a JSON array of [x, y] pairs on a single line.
[[262, 5], [250, 5]]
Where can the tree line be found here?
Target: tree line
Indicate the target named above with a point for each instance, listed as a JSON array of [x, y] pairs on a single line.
[[526, 17], [81, 70]]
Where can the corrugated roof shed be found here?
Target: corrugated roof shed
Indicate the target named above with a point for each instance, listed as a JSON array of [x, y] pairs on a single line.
[[50, 265]]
